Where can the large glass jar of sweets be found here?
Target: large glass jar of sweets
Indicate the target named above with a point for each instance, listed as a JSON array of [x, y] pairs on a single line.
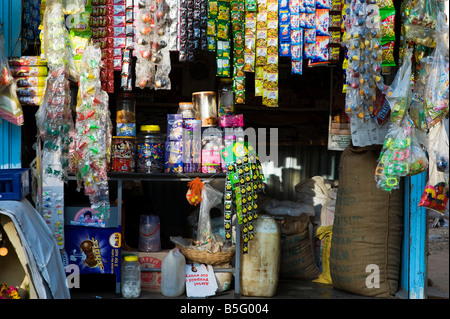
[[149, 150], [187, 110], [131, 277], [126, 115]]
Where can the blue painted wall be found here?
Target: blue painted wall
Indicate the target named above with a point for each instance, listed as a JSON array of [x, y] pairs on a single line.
[[10, 134]]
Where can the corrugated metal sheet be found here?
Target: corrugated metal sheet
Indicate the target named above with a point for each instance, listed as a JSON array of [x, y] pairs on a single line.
[[295, 164]]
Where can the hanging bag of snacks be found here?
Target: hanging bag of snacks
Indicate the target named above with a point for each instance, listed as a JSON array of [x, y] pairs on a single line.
[[435, 195]]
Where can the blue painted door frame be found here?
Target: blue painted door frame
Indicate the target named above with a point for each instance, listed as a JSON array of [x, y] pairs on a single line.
[[10, 134], [413, 279]]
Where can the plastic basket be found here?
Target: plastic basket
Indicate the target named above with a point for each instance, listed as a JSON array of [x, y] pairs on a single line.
[[15, 183]]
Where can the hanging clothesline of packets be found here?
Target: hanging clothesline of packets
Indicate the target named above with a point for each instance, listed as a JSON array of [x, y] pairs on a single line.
[[244, 180]]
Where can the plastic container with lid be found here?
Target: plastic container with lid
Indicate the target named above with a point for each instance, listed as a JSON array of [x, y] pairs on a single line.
[[149, 233], [131, 277], [187, 110], [126, 115], [150, 150], [173, 274]]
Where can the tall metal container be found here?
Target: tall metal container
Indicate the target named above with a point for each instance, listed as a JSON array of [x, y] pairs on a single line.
[[205, 104]]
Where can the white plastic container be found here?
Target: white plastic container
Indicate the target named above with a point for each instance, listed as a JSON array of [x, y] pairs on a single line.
[[261, 265], [131, 277], [173, 274]]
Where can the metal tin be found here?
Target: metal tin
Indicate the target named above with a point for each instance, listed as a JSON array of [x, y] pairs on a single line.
[[123, 153], [206, 106]]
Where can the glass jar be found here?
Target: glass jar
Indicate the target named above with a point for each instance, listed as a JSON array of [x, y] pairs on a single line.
[[226, 97], [228, 140], [126, 115], [131, 277], [123, 150], [150, 150], [187, 110], [211, 147]]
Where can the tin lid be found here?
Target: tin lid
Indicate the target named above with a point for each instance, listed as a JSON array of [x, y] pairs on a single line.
[[155, 128], [186, 105], [124, 137], [131, 258]]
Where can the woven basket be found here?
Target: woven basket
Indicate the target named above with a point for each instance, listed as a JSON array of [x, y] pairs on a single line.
[[205, 257]]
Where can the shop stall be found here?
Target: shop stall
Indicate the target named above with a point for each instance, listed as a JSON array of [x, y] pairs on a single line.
[[198, 148]]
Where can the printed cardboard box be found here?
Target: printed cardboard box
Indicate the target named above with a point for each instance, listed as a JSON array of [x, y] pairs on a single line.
[[150, 280], [93, 250]]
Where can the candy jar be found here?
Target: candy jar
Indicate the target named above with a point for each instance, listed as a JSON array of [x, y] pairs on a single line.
[[187, 110], [131, 277], [226, 97], [149, 150], [126, 115]]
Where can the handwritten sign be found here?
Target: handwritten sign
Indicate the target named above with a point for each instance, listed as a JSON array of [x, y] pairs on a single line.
[[200, 280]]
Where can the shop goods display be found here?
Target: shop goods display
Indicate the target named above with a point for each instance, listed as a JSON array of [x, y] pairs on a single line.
[[363, 221]]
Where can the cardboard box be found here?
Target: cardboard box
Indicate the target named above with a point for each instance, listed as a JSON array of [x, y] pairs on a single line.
[[93, 250], [150, 280]]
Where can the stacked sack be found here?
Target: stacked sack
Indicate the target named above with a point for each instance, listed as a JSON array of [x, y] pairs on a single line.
[[30, 73]]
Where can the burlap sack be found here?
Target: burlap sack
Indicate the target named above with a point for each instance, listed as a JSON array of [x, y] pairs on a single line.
[[367, 229], [297, 259]]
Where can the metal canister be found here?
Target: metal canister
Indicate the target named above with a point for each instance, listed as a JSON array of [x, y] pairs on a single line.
[[123, 151], [205, 105]]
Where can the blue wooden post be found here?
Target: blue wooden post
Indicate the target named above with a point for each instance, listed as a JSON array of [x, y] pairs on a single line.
[[10, 134], [413, 272]]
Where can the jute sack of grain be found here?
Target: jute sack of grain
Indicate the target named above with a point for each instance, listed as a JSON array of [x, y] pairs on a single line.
[[297, 258], [365, 254]]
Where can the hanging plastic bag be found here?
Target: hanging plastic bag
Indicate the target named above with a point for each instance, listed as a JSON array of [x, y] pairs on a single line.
[[399, 93], [420, 24], [435, 195], [436, 91], [5, 72], [393, 161], [210, 198], [194, 193]]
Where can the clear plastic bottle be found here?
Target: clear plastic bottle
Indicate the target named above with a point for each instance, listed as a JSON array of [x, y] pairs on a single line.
[[149, 233], [126, 115], [149, 150], [131, 277]]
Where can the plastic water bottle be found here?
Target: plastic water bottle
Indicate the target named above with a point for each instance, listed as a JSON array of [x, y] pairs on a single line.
[[149, 233], [173, 274], [131, 277]]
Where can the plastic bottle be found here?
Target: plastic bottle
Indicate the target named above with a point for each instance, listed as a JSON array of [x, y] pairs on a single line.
[[149, 233], [187, 110], [131, 277], [150, 150], [173, 272], [126, 115]]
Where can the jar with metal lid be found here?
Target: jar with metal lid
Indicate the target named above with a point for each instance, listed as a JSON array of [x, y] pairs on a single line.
[[150, 150], [226, 97], [131, 277], [123, 150], [187, 110]]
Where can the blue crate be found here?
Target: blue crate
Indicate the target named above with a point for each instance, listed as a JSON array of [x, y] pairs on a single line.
[[15, 183]]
